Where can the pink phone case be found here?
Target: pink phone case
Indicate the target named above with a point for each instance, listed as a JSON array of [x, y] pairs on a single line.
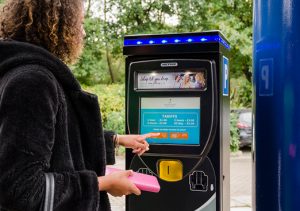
[[142, 181]]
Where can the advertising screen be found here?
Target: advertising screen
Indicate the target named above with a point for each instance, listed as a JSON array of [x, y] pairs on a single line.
[[177, 119], [185, 79]]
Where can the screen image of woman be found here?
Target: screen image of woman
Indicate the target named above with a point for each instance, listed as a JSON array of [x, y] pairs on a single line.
[[186, 83], [200, 81]]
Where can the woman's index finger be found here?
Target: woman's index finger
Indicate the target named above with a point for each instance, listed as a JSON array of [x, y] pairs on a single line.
[[149, 135]]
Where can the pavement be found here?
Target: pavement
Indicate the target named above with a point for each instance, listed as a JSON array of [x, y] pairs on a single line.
[[240, 183]]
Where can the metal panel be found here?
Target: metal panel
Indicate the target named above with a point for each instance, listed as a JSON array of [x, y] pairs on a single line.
[[277, 103]]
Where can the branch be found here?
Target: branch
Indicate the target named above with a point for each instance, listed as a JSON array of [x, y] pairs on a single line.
[[247, 73]]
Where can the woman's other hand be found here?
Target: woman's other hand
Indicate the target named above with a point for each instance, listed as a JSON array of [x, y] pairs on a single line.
[[136, 142], [118, 184]]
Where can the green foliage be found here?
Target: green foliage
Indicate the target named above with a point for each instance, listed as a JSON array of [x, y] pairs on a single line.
[[232, 17], [136, 17], [234, 133], [241, 93], [107, 22], [112, 105], [92, 68]]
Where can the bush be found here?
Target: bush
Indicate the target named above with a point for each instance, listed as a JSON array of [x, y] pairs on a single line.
[[112, 105], [241, 93], [234, 133]]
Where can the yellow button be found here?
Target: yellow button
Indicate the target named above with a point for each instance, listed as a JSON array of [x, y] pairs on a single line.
[[170, 170]]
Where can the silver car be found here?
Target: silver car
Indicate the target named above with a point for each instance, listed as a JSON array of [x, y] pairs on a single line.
[[244, 125]]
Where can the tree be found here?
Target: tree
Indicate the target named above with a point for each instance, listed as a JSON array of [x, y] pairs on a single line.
[[98, 64], [107, 21], [90, 69], [106, 41], [136, 17], [233, 18]]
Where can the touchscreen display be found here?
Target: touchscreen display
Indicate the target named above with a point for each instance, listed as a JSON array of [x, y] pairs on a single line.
[[177, 119]]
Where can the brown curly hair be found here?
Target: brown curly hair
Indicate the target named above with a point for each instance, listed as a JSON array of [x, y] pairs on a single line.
[[55, 25]]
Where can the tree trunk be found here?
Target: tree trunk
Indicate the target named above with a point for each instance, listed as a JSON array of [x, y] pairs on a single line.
[[109, 64], [88, 8], [108, 59]]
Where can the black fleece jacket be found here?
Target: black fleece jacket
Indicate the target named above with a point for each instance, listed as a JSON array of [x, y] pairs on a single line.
[[48, 124]]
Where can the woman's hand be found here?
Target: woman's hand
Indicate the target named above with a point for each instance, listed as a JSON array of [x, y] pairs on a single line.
[[136, 142], [118, 184]]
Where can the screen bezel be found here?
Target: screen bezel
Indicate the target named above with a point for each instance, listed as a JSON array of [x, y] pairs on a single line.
[[207, 100]]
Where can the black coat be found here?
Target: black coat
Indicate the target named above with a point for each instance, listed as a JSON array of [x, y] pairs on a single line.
[[48, 124]]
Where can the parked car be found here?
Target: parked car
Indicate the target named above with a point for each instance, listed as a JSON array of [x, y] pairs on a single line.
[[244, 125]]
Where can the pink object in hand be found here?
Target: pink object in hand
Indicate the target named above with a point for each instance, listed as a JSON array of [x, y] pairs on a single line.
[[143, 182]]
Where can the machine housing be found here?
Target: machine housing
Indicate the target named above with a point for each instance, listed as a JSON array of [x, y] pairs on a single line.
[[191, 155]]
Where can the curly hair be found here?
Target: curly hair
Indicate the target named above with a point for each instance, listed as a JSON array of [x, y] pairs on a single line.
[[55, 25]]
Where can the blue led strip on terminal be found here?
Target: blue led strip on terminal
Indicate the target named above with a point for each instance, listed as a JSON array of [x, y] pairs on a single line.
[[175, 40]]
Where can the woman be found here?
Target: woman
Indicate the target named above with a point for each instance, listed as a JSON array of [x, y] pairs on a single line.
[[186, 81], [200, 80], [177, 83], [47, 122]]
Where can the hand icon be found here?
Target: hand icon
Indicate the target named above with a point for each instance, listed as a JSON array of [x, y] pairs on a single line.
[[199, 181]]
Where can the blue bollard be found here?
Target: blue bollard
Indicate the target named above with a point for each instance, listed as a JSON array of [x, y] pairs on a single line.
[[276, 81]]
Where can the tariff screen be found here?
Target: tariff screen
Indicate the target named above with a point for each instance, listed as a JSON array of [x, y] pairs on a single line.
[[177, 120]]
